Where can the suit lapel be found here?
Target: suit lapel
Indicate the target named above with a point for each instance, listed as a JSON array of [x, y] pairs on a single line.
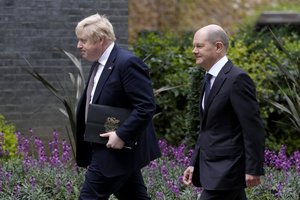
[[218, 83], [107, 70]]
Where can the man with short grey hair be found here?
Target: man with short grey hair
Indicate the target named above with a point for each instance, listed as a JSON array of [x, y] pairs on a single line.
[[229, 152]]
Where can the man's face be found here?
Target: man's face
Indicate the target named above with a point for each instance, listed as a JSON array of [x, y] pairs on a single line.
[[90, 50], [204, 52]]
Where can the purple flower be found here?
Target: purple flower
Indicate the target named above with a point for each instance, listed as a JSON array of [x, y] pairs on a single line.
[[66, 151], [283, 162], [69, 187], [17, 189], [32, 181], [54, 143], [295, 158], [7, 176], [164, 171], [28, 163], [159, 195], [23, 145], [54, 158], [164, 147], [41, 151], [280, 161], [174, 188], [279, 188], [153, 165]]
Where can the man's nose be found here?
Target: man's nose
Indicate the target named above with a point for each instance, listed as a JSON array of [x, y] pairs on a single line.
[[194, 50], [79, 45]]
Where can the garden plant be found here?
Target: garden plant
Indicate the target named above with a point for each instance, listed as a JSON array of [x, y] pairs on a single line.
[[46, 171]]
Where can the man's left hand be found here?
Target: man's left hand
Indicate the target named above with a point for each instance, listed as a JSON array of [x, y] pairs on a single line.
[[114, 141]]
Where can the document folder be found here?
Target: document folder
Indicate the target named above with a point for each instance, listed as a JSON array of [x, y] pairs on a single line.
[[102, 119]]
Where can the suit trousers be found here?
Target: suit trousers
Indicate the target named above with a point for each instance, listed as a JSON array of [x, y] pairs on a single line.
[[98, 187], [223, 195]]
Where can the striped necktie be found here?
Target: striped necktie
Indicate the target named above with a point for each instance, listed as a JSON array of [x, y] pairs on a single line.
[[89, 89]]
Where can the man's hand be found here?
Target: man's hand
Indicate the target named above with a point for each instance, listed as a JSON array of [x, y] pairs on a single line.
[[252, 181], [114, 141], [187, 175]]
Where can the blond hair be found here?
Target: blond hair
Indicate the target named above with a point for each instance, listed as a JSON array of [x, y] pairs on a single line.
[[95, 27]]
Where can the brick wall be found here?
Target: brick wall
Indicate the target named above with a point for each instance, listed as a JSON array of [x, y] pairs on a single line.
[[32, 30]]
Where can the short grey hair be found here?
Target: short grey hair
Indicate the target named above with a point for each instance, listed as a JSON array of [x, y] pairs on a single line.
[[218, 34]]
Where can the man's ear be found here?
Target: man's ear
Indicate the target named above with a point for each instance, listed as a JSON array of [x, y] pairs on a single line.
[[100, 40], [220, 46], [99, 43]]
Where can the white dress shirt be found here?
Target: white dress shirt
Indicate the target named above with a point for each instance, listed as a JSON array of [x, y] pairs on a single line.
[[102, 61], [214, 71]]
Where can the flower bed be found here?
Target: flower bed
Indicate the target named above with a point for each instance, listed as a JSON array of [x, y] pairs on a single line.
[[48, 172]]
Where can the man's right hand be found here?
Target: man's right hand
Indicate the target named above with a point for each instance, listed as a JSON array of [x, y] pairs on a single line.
[[187, 175]]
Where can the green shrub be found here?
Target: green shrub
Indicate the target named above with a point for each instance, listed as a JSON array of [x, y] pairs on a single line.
[[169, 58], [289, 88], [257, 65], [8, 139], [192, 118], [261, 54], [171, 63]]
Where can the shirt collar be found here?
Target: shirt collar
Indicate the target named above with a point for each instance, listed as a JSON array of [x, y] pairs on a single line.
[[216, 68], [103, 59]]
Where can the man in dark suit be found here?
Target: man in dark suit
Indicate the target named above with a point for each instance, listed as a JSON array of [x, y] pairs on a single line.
[[229, 152], [119, 79]]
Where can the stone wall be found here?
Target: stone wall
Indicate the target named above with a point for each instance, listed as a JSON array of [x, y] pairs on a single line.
[[30, 33]]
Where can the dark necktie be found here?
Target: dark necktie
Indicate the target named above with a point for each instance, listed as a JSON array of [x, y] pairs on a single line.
[[207, 87], [89, 89]]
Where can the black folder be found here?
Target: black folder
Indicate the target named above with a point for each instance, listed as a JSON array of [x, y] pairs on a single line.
[[102, 119]]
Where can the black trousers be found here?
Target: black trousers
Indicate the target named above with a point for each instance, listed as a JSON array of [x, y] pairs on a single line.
[[223, 195], [125, 187]]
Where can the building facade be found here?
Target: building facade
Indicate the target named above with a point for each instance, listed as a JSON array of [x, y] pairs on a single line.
[[31, 33]]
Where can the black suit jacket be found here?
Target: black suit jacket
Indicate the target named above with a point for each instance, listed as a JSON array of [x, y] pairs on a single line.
[[231, 138], [125, 83]]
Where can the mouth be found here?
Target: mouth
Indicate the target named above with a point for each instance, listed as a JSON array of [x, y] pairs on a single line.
[[198, 59]]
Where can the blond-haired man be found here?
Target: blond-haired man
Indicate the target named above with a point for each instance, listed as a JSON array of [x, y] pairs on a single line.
[[119, 79]]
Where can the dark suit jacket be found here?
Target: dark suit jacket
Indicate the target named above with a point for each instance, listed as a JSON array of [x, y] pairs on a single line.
[[231, 137], [125, 83]]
